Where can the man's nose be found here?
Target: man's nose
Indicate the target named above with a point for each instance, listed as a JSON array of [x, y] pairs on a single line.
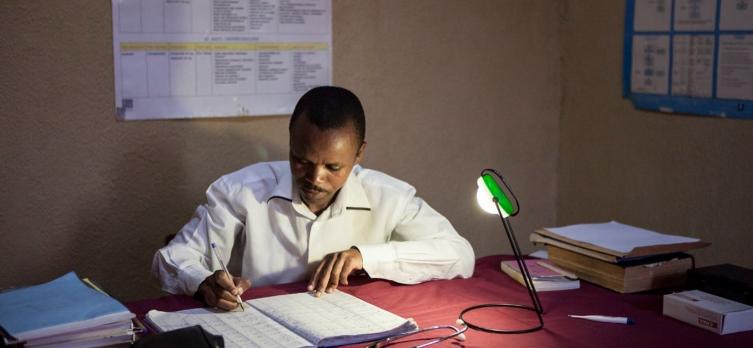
[[315, 173]]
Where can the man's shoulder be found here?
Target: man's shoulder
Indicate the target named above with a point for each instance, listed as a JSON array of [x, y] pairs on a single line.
[[267, 173], [375, 180]]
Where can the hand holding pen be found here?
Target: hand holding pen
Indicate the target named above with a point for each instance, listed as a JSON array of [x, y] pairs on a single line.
[[220, 289]]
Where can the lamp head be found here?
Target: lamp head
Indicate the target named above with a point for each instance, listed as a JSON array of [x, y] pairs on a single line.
[[490, 195]]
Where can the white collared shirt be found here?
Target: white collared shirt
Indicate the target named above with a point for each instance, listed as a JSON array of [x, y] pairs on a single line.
[[267, 234]]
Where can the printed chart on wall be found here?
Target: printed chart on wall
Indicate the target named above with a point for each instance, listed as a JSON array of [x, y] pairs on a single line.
[[690, 56], [218, 58]]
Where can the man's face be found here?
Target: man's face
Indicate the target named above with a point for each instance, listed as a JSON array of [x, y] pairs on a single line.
[[321, 161]]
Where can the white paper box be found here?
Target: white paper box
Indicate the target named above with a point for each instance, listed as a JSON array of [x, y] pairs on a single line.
[[710, 312]]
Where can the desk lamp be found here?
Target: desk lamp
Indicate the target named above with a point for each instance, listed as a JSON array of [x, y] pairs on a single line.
[[492, 199]]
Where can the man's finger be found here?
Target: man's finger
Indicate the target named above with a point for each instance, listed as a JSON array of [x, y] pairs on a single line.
[[242, 283], [337, 269], [354, 262], [315, 276], [226, 295], [226, 305], [224, 281], [348, 268], [324, 275]]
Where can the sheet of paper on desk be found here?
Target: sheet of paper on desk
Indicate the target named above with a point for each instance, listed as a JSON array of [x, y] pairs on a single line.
[[616, 236]]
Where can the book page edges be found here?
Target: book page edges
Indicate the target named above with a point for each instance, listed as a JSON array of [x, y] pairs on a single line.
[[620, 278], [537, 238], [636, 252], [407, 326], [540, 284]]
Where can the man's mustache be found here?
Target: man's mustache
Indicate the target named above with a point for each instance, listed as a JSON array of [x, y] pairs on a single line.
[[308, 186]]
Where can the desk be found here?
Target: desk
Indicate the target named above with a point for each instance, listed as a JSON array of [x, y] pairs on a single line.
[[440, 302]]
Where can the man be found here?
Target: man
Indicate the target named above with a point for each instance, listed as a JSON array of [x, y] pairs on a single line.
[[321, 215]]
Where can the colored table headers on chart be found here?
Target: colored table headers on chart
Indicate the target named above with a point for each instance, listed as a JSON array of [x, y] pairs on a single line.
[[218, 58]]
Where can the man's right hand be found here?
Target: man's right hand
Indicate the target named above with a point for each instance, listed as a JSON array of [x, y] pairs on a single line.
[[219, 291]]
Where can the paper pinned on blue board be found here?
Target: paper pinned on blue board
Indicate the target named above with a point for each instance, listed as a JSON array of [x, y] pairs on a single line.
[[689, 56]]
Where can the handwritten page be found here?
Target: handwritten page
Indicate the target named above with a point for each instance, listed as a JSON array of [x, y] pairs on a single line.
[[333, 319], [616, 236], [294, 320], [248, 328]]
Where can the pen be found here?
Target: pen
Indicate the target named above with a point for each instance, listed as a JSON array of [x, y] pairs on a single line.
[[604, 319], [224, 268]]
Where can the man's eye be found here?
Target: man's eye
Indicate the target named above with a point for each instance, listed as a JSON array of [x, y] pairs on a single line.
[[334, 168]]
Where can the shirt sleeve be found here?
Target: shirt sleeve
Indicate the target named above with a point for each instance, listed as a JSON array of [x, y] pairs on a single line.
[[187, 260], [423, 246]]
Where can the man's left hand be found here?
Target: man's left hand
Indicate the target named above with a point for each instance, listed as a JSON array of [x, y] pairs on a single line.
[[334, 270]]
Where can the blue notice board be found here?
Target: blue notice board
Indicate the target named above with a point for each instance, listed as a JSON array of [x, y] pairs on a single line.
[[690, 56]]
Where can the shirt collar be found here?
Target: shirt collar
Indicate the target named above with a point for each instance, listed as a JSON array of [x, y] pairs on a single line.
[[352, 196]]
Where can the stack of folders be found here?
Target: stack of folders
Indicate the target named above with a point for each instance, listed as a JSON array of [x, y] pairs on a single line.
[[620, 257], [63, 313], [545, 276]]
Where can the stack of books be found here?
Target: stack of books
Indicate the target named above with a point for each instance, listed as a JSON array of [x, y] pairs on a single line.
[[63, 313], [619, 257]]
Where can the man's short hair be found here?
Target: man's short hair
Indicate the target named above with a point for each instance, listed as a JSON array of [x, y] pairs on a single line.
[[330, 107]]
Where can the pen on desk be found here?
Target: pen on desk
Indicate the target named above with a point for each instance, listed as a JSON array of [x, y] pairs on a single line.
[[604, 319], [224, 268]]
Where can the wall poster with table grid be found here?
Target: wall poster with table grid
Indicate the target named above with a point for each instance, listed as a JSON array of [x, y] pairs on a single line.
[[690, 56]]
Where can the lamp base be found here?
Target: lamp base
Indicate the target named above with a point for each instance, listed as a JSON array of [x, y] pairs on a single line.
[[501, 331]]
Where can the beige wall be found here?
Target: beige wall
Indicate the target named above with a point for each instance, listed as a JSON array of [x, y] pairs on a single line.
[[678, 174], [449, 87]]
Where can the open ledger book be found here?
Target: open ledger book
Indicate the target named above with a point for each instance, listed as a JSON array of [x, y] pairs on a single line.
[[294, 320]]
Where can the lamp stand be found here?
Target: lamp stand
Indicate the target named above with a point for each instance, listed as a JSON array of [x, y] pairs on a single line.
[[536, 303]]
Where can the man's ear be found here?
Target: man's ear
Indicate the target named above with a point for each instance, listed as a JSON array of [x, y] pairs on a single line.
[[360, 153]]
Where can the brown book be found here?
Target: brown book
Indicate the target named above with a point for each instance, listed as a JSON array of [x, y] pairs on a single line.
[[536, 238], [667, 270]]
